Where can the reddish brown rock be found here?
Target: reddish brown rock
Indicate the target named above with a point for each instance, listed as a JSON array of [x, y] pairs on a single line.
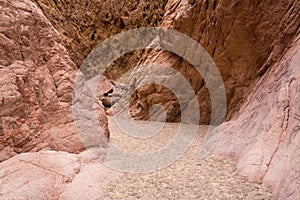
[[82, 24], [246, 40], [265, 137], [37, 81], [243, 38]]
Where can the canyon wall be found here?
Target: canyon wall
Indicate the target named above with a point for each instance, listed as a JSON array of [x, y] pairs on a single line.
[[255, 45], [244, 38], [265, 137], [82, 24], [37, 82]]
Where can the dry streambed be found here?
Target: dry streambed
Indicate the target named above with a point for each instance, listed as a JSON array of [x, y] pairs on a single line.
[[188, 178]]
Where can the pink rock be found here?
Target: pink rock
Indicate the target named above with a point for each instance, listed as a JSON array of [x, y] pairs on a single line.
[[37, 81], [265, 137]]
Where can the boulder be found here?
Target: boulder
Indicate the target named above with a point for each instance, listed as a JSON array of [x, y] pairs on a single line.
[[50, 175]]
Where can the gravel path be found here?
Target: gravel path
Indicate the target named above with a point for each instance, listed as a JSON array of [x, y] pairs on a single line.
[[188, 178]]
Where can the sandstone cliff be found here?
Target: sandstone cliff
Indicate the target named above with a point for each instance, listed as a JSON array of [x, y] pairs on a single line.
[[244, 38], [255, 45], [256, 48], [37, 81], [265, 137], [82, 24]]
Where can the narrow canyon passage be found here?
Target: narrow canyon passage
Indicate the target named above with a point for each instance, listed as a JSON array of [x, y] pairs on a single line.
[[54, 110], [188, 178]]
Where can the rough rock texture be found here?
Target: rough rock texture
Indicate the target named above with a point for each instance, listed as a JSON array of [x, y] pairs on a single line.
[[37, 80], [84, 23], [265, 137], [244, 38], [53, 175]]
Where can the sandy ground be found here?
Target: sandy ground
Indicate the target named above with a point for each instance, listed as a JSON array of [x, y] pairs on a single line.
[[190, 177]]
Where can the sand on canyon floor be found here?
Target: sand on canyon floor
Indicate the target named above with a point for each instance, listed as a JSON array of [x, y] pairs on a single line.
[[189, 177]]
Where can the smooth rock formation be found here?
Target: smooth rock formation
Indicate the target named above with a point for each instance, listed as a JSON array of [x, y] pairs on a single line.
[[36, 84], [244, 39], [53, 175], [265, 138]]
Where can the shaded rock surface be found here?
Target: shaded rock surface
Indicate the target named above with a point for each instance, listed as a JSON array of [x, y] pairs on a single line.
[[243, 38], [37, 81], [265, 137], [84, 23]]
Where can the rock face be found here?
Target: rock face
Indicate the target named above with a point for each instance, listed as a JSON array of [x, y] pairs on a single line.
[[265, 137], [256, 46], [50, 173], [243, 38], [37, 81], [84, 23], [53, 175]]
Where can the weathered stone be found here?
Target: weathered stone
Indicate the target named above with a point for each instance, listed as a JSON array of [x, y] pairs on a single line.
[[53, 175], [243, 40], [265, 137], [247, 40], [41, 175], [37, 81], [84, 23]]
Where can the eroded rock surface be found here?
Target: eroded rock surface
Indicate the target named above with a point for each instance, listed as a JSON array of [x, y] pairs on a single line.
[[84, 23], [265, 137], [243, 38], [37, 81], [53, 175], [246, 40]]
